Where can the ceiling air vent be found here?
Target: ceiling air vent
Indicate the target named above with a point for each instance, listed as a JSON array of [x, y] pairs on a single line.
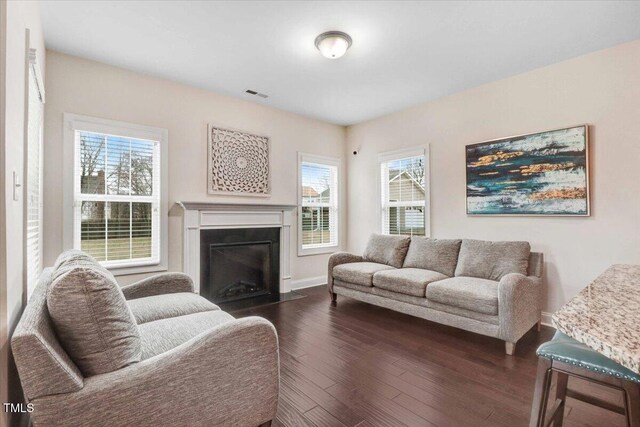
[[253, 92]]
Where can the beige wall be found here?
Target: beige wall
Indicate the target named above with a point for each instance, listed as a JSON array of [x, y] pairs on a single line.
[[80, 86], [18, 17], [601, 89]]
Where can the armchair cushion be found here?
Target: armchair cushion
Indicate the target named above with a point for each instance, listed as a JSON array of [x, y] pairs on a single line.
[[408, 281], [92, 319], [360, 273], [72, 256], [163, 335], [492, 260], [470, 293], [440, 255], [389, 250], [156, 307]]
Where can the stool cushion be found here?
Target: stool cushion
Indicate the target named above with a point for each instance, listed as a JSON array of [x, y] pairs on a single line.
[[565, 349]]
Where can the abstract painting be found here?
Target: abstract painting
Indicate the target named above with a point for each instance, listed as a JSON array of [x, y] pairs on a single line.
[[238, 163], [544, 173]]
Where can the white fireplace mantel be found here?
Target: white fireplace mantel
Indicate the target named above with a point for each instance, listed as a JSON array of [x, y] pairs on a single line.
[[199, 216]]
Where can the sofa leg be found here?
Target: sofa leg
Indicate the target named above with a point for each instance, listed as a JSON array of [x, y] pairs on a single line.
[[267, 424], [334, 298], [510, 347]]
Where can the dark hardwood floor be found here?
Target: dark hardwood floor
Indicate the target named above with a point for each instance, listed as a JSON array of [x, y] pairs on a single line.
[[360, 365]]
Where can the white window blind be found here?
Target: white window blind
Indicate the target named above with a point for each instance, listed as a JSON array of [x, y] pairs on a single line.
[[117, 198], [33, 173], [318, 186], [404, 193]]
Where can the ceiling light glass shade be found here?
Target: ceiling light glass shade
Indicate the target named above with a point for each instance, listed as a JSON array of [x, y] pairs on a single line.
[[333, 44]]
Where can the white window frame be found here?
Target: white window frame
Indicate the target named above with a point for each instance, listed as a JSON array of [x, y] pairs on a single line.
[[393, 155], [335, 196], [33, 243], [76, 122]]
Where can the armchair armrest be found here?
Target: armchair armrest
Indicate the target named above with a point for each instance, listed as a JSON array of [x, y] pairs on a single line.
[[519, 305], [165, 283], [225, 376], [337, 259]]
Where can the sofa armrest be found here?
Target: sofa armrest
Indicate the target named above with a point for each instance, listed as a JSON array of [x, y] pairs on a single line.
[[225, 376], [165, 283], [337, 259], [519, 305]]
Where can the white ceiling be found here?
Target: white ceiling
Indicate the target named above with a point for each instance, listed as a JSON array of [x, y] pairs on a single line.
[[403, 53]]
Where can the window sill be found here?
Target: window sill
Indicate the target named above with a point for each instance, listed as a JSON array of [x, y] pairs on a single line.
[[142, 269], [317, 251]]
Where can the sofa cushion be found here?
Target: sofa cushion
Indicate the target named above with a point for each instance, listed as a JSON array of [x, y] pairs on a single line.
[[92, 319], [439, 255], [156, 307], [162, 335], [492, 260], [409, 281], [389, 250], [360, 273], [470, 293]]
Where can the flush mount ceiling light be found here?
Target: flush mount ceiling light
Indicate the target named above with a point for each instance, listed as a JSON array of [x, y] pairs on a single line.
[[333, 44]]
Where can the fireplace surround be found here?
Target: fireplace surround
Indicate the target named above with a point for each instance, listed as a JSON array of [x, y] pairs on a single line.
[[198, 218]]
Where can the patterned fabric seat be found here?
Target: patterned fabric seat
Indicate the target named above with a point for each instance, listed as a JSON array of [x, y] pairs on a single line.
[[409, 281], [360, 273], [469, 293]]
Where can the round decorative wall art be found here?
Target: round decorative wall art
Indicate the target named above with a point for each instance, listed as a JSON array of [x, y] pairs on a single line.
[[238, 163]]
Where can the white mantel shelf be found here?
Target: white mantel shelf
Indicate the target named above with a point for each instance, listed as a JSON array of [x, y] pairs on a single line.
[[199, 216], [233, 206]]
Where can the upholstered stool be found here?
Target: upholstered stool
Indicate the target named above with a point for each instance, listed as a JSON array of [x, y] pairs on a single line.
[[567, 357]]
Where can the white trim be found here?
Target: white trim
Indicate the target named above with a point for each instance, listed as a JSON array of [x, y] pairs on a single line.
[[324, 161], [208, 216], [73, 122], [546, 319], [30, 273], [403, 153], [309, 282]]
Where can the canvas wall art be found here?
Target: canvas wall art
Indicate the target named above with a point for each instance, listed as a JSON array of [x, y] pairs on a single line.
[[238, 163], [544, 173]]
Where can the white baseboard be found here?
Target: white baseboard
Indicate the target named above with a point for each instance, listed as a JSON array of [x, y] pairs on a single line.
[[546, 319], [308, 282]]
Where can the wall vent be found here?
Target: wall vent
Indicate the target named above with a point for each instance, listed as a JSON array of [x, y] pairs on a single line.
[[255, 93]]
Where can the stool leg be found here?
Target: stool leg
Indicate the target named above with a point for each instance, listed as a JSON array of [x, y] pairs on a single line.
[[632, 402], [541, 393], [561, 394]]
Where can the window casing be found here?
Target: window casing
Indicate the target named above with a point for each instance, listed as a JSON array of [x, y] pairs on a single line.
[[404, 192], [33, 173], [116, 196], [318, 204]]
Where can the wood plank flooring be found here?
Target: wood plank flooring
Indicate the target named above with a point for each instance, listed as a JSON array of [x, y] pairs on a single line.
[[360, 365]]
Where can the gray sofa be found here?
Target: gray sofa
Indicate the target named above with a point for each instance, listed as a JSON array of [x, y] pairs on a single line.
[[156, 354], [490, 288]]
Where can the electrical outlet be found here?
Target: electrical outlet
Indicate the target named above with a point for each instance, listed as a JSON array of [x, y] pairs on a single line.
[[16, 186]]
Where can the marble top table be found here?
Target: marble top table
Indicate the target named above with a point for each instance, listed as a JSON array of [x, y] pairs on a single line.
[[606, 315]]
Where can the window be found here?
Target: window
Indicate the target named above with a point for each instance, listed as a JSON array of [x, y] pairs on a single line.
[[33, 173], [318, 204], [404, 192], [118, 186]]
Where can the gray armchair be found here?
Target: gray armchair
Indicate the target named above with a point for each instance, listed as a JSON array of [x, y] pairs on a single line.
[[199, 366]]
